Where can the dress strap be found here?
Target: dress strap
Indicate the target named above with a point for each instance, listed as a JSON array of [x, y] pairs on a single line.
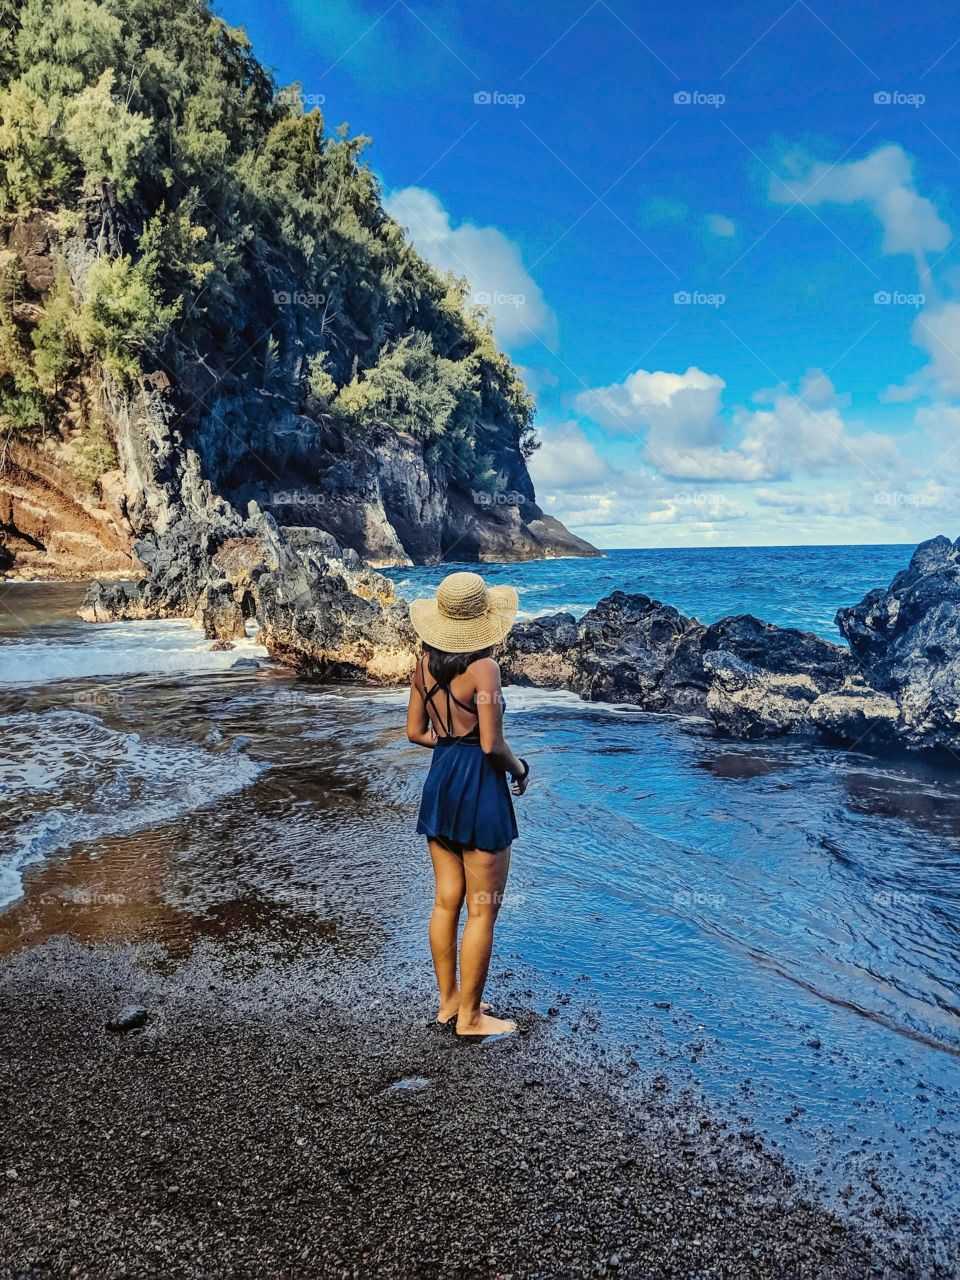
[[429, 697]]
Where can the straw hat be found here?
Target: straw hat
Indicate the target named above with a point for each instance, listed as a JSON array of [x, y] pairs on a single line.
[[465, 615]]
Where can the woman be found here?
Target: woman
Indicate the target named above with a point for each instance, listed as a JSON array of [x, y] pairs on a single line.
[[456, 709]]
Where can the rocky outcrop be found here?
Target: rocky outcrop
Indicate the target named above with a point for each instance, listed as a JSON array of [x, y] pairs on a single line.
[[321, 609], [753, 679], [906, 641], [897, 685], [317, 605], [53, 527], [382, 496]]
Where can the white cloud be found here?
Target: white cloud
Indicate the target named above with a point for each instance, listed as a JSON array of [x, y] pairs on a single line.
[[568, 461], [672, 404], [937, 332], [719, 225], [884, 181], [790, 502], [489, 259], [895, 394], [687, 438]]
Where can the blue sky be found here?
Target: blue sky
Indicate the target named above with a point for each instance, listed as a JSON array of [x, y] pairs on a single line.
[[718, 239]]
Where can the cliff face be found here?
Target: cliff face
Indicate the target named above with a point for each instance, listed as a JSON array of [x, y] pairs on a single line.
[[50, 527], [382, 494]]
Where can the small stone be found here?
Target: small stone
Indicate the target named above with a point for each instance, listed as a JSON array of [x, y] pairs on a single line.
[[12, 1175], [130, 1018], [240, 743]]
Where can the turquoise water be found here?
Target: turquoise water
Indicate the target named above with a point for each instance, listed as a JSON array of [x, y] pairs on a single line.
[[791, 586]]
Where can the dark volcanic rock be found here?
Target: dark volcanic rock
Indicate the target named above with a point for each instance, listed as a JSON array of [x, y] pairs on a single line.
[[764, 680], [629, 648], [779, 650], [752, 678], [318, 606], [627, 644], [897, 685], [112, 602], [906, 639], [541, 652]]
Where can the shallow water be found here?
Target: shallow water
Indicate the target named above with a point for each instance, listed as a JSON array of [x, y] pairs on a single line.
[[795, 907]]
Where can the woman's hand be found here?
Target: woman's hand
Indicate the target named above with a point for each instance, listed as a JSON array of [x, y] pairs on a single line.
[[521, 781]]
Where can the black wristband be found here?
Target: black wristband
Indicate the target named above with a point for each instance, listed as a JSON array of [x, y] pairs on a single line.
[[522, 777]]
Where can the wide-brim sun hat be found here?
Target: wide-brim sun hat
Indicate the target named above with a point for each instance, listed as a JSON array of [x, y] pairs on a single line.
[[465, 615]]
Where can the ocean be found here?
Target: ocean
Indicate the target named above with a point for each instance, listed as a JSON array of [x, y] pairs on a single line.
[[777, 924], [792, 586]]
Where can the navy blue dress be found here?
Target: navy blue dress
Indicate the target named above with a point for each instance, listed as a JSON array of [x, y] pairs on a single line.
[[466, 799]]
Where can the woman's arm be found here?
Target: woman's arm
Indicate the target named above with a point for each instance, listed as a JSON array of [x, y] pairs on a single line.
[[419, 728], [490, 715]]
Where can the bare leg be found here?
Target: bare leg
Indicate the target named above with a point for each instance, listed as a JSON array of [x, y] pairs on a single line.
[[448, 899], [486, 877]]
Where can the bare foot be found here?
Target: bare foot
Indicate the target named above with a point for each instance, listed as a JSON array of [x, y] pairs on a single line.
[[448, 1012], [483, 1025]]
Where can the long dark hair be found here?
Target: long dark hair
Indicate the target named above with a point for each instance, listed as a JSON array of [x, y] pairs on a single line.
[[445, 667]]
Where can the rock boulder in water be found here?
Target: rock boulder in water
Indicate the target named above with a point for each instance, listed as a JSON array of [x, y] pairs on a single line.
[[628, 643], [906, 640]]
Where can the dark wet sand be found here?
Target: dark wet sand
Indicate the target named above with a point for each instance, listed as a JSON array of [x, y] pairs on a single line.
[[253, 1129]]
